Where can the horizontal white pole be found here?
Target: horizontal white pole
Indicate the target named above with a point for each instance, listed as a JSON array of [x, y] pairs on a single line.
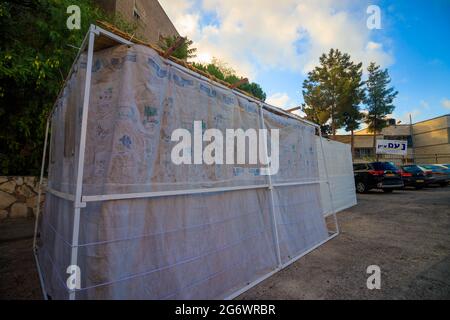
[[156, 194], [111, 35], [59, 194], [294, 183]]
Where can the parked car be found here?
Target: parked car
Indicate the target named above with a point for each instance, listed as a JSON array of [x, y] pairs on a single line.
[[416, 176], [441, 174], [377, 175]]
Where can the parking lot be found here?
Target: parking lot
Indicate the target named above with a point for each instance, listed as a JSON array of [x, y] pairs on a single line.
[[406, 233]]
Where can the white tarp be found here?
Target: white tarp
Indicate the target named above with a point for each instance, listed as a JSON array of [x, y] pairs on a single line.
[[202, 246], [340, 172]]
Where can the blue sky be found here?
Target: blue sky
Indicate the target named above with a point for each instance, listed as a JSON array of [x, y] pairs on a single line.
[[275, 43]]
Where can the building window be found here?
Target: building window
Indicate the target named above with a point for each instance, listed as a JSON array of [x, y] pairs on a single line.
[[363, 153]]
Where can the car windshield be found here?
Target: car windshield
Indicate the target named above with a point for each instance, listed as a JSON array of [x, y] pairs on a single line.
[[384, 166], [429, 167], [435, 168], [412, 169]]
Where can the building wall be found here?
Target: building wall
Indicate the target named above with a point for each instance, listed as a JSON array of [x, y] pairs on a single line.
[[431, 141], [435, 137], [108, 5], [432, 132], [397, 130], [432, 124], [152, 21]]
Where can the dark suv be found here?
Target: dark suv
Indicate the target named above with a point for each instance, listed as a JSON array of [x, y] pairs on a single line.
[[377, 175]]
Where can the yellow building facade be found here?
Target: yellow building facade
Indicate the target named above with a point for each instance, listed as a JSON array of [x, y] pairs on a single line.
[[428, 141]]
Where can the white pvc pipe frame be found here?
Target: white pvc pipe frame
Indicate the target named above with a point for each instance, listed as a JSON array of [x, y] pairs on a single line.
[[80, 201]]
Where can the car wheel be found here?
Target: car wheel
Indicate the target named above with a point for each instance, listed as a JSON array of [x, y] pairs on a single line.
[[443, 184], [361, 187], [388, 190]]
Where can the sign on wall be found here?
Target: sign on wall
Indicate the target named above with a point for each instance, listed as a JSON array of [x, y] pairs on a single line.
[[399, 147]]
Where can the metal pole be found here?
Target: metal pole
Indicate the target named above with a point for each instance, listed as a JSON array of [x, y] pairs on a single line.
[[272, 202], [83, 46], [328, 183], [411, 133], [78, 204], [40, 185]]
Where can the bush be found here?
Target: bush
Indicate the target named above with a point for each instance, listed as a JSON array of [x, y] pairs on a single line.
[[222, 72], [36, 53]]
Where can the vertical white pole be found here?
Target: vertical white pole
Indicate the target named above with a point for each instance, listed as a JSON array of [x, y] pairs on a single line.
[[328, 181], [38, 205], [272, 202], [79, 183]]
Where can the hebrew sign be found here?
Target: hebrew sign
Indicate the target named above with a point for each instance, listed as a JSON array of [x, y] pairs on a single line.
[[398, 147]]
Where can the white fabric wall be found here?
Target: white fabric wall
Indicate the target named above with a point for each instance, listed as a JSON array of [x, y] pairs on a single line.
[[203, 246], [340, 171]]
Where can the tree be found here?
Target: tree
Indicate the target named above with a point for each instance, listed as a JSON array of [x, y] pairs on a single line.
[[351, 119], [222, 71], [319, 116], [183, 52], [350, 116], [379, 99], [332, 87], [254, 89], [36, 52]]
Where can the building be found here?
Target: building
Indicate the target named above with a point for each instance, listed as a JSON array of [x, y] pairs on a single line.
[[428, 141], [148, 15], [432, 140]]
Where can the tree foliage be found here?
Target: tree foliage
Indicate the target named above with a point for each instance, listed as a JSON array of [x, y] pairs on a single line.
[[380, 98], [183, 52], [319, 116], [333, 91], [222, 71], [37, 50]]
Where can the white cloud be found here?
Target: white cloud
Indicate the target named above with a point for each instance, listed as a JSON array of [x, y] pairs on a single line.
[[373, 46], [404, 117], [265, 34], [280, 100], [283, 101], [445, 103]]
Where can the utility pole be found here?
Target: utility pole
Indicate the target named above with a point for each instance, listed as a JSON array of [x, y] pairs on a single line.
[[412, 138]]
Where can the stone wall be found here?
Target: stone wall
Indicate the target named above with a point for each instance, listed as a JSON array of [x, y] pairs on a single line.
[[18, 197]]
